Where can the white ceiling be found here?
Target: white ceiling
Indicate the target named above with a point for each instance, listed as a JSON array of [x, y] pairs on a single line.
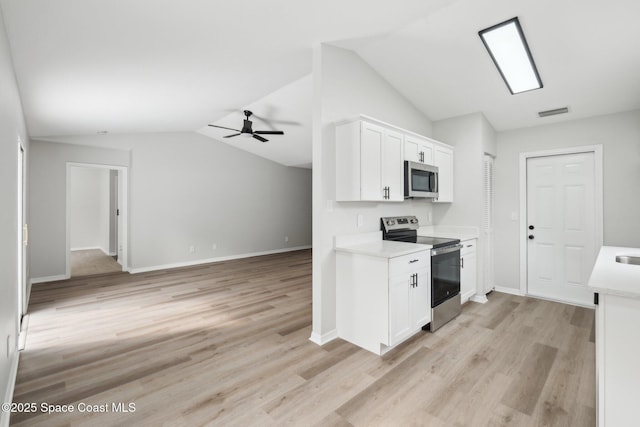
[[133, 66], [140, 66], [585, 50]]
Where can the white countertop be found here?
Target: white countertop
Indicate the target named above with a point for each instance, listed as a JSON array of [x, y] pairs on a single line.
[[611, 277], [452, 232], [383, 248]]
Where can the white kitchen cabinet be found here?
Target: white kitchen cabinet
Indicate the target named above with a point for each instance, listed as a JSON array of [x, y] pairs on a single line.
[[617, 341], [617, 353], [443, 159], [368, 162], [380, 301], [468, 269], [418, 149]]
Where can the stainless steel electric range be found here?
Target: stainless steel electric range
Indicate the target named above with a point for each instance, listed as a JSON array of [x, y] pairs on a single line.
[[445, 266]]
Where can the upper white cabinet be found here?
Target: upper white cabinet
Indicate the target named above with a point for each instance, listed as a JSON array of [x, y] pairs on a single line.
[[443, 159], [370, 158], [368, 162], [418, 149]]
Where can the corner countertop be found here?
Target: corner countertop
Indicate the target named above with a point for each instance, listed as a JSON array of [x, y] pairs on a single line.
[[452, 232], [613, 278], [372, 244], [384, 248]]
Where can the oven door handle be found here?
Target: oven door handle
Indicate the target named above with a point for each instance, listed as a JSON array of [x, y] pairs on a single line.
[[445, 250]]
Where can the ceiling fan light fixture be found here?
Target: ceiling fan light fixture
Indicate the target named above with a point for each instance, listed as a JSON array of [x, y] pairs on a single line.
[[247, 129], [510, 52]]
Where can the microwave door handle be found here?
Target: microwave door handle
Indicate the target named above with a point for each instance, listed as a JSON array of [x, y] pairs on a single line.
[[437, 184]]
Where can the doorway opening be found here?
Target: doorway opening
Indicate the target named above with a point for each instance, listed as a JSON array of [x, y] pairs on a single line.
[[96, 219], [561, 227]]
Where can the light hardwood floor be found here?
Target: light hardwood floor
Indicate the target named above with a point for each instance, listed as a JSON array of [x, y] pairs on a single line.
[[227, 344]]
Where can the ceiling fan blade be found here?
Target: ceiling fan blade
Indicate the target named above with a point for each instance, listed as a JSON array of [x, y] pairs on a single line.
[[222, 127], [270, 122], [269, 132], [259, 138], [230, 136]]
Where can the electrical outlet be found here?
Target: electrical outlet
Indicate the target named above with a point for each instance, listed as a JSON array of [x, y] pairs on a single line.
[[8, 346], [192, 249], [214, 247], [286, 238], [360, 220]]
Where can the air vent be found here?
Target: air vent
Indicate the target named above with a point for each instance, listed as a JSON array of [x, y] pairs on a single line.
[[547, 113]]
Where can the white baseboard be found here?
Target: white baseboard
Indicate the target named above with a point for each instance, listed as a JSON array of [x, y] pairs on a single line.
[[324, 338], [8, 395], [479, 298], [511, 291], [576, 303], [88, 248], [94, 248], [210, 260], [466, 297], [49, 278]]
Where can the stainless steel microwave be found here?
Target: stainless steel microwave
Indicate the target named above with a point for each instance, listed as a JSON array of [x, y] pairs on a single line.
[[420, 180]]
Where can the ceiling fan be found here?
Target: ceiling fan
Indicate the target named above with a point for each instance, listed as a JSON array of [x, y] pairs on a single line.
[[248, 131]]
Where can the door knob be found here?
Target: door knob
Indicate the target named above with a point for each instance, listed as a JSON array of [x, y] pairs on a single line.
[[530, 236], [531, 227]]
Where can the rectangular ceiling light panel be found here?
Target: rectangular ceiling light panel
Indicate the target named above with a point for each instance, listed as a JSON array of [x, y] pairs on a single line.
[[509, 50]]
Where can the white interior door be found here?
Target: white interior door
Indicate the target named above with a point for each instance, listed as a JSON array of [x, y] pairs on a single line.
[[561, 212]]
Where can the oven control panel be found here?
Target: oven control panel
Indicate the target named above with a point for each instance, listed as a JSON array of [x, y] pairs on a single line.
[[400, 223]]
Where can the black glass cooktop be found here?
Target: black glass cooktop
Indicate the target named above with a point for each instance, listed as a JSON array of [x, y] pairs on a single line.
[[436, 242]]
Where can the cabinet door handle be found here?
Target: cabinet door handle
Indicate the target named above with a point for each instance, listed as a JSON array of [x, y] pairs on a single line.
[[412, 261], [461, 262], [416, 280]]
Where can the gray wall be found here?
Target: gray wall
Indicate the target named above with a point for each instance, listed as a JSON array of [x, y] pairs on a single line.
[[89, 208], [12, 129], [48, 184], [619, 135], [472, 136], [184, 190], [346, 86]]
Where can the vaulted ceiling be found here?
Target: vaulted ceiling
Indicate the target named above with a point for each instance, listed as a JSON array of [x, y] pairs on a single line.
[[139, 66]]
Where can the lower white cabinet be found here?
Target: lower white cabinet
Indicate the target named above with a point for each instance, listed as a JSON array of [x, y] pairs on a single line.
[[617, 360], [468, 269], [380, 301]]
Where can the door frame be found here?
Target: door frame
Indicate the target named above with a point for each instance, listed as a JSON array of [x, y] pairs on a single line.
[[599, 199], [22, 232], [124, 212]]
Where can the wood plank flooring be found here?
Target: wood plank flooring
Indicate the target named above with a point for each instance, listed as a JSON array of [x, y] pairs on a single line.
[[226, 344]]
